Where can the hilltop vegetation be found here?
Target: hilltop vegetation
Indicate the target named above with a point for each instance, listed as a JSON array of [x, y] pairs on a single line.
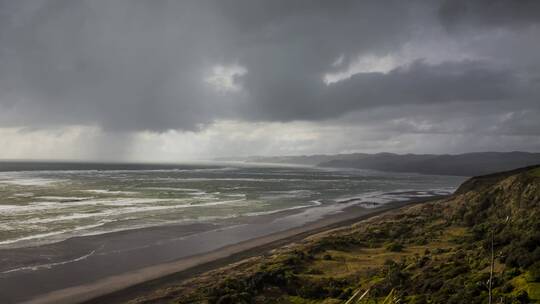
[[437, 252]]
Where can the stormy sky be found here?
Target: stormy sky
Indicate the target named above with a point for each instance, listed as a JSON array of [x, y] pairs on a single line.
[[160, 80]]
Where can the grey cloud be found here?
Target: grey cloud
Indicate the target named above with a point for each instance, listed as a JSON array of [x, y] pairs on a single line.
[[139, 65], [456, 14], [419, 83], [122, 65]]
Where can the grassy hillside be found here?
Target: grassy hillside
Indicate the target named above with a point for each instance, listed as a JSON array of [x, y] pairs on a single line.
[[437, 252]]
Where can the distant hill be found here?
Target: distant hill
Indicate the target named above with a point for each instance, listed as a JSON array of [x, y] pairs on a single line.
[[312, 160], [468, 164]]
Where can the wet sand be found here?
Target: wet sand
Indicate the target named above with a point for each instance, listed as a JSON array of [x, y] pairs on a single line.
[[109, 267]]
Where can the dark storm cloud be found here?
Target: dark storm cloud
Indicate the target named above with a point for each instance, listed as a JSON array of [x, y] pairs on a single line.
[[489, 13], [122, 64], [141, 65], [415, 84]]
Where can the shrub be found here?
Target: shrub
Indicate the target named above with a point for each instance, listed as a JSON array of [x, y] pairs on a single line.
[[522, 297], [394, 247], [533, 273]]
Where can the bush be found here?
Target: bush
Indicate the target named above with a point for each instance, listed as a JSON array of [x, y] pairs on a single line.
[[518, 257], [522, 297], [394, 247], [533, 273], [421, 241]]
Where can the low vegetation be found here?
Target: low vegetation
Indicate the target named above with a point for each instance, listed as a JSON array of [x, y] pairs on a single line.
[[438, 252]]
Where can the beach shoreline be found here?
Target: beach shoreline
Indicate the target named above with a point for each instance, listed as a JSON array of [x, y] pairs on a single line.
[[117, 288]]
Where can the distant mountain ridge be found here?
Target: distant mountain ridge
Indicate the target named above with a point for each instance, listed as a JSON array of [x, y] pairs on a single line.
[[468, 164]]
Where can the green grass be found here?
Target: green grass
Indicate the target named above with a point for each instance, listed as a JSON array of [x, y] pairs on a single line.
[[299, 300], [533, 289], [535, 172]]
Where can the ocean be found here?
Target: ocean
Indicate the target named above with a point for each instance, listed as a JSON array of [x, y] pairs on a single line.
[[43, 203]]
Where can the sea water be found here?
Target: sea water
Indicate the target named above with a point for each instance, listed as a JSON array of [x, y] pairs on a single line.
[[44, 203]]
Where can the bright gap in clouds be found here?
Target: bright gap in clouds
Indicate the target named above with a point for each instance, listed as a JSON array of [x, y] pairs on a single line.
[[223, 78], [363, 64], [432, 53]]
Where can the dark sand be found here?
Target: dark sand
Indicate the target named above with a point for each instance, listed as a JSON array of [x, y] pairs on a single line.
[[117, 266]]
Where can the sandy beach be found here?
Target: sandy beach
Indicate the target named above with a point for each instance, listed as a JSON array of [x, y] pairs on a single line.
[[107, 268]]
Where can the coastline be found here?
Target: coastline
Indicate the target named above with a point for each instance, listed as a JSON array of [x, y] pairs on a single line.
[[130, 284]]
